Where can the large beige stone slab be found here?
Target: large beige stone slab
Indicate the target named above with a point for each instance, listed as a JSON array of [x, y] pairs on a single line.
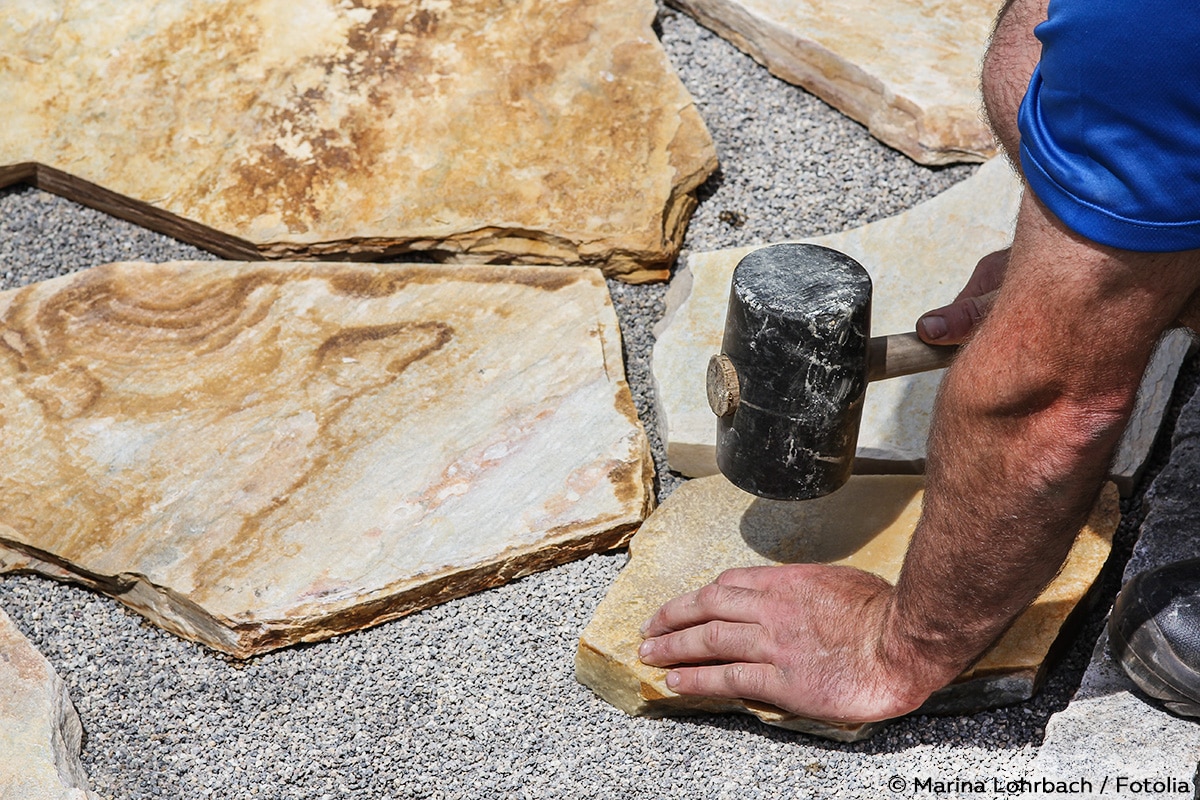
[[907, 69], [40, 734], [708, 525], [253, 455], [535, 131], [917, 260]]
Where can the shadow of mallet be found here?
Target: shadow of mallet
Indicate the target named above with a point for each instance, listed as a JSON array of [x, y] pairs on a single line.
[[797, 354]]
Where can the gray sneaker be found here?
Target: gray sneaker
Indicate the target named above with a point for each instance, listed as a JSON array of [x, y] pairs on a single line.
[[1154, 634]]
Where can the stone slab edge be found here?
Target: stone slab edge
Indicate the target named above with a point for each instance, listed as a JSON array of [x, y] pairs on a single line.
[[894, 120], [178, 614], [40, 732], [638, 695], [632, 256]]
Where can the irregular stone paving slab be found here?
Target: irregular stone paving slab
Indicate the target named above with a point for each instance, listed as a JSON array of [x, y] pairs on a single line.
[[253, 455], [1108, 719], [908, 70], [532, 131], [917, 260], [708, 525], [40, 734]]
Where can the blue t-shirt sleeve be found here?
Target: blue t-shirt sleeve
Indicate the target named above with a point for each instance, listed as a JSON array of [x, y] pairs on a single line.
[[1110, 124]]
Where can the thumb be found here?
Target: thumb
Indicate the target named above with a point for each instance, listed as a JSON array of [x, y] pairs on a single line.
[[952, 324]]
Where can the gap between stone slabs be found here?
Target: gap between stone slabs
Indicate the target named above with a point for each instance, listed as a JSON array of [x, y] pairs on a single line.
[[253, 455], [708, 525], [907, 69], [321, 129], [917, 260]]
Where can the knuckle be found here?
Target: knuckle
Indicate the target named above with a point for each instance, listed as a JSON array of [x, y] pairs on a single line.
[[976, 308], [744, 679], [714, 635], [727, 578], [709, 595]]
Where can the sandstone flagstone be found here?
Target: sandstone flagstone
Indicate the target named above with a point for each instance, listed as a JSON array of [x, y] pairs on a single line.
[[917, 260], [907, 69], [708, 525], [40, 733], [253, 455], [537, 131]]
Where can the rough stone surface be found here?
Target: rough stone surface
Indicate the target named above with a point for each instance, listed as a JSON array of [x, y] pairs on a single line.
[[907, 70], [536, 132], [1109, 718], [918, 260], [1154, 397], [255, 455], [40, 734], [708, 525], [1093, 738]]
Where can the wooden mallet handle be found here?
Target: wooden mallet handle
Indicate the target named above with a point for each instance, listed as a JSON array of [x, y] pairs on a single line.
[[904, 354]]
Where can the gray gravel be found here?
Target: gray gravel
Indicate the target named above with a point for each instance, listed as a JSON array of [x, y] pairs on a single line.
[[476, 698]]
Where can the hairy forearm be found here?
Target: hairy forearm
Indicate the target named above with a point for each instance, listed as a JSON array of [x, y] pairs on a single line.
[[1017, 453], [1024, 430], [1010, 483]]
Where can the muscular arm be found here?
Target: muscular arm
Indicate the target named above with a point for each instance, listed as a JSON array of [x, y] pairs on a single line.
[[1029, 417], [1027, 423], [1023, 432]]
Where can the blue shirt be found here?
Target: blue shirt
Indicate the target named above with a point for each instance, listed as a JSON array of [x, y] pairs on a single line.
[[1110, 123]]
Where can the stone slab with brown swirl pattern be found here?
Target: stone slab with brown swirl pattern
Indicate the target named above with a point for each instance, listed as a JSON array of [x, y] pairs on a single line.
[[256, 454]]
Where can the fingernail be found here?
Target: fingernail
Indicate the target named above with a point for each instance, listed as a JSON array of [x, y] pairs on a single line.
[[645, 627], [934, 327], [646, 648], [672, 679]]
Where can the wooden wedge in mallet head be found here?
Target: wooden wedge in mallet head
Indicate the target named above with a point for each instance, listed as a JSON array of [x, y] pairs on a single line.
[[797, 354]]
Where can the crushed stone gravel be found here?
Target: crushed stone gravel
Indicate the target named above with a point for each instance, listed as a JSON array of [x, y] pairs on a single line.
[[477, 697]]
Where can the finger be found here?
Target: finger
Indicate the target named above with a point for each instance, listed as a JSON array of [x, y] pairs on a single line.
[[987, 276], [758, 578], [702, 644], [952, 324], [743, 680], [712, 602]]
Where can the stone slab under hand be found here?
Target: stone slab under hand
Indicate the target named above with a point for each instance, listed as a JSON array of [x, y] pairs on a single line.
[[253, 455], [40, 734], [917, 260], [708, 525], [527, 132], [907, 69]]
